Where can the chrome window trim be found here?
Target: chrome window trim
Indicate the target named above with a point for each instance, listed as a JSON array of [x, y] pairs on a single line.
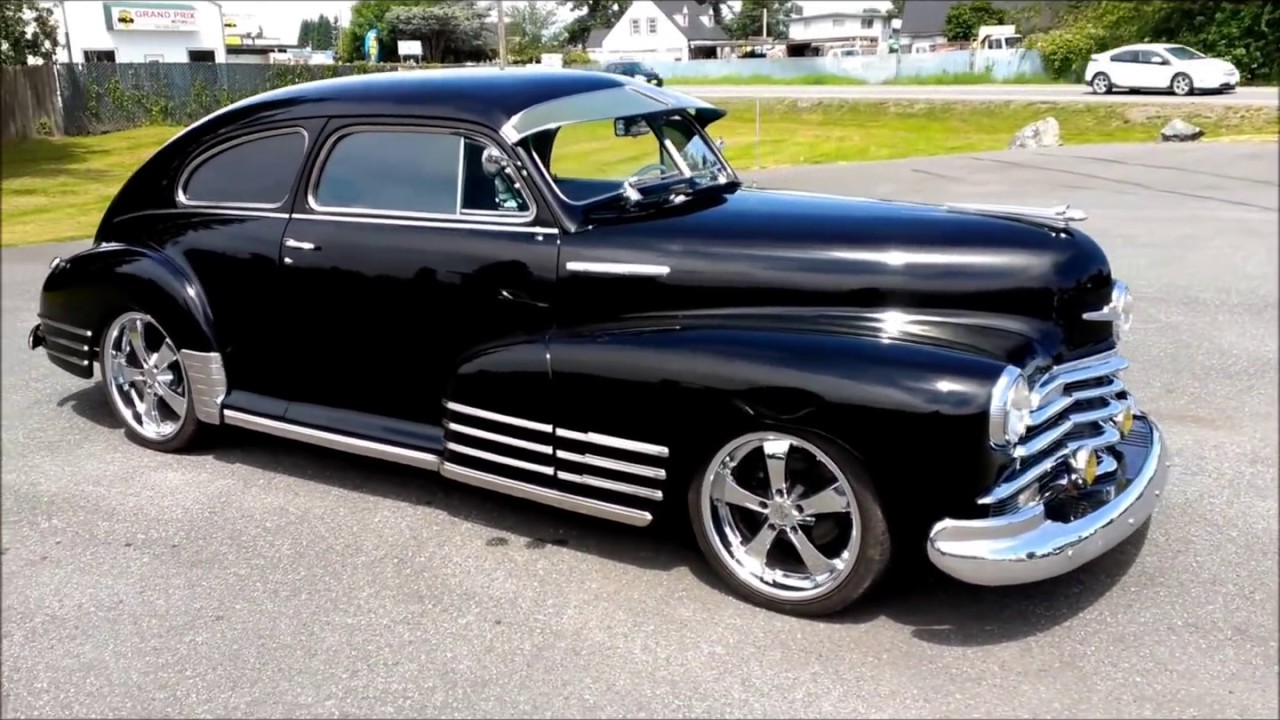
[[410, 222], [317, 170], [202, 158]]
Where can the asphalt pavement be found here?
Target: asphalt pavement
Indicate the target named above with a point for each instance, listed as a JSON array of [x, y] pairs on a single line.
[[1266, 96], [266, 578]]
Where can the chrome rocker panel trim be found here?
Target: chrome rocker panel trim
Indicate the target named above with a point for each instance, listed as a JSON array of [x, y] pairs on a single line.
[[428, 461], [1026, 547]]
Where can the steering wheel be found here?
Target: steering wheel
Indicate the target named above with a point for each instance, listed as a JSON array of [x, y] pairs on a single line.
[[658, 168]]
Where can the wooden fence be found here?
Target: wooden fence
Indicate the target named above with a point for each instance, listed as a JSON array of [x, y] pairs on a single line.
[[31, 106]]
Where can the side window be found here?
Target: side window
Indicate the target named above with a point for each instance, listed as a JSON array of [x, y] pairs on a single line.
[[255, 172], [411, 171], [391, 170], [1126, 56]]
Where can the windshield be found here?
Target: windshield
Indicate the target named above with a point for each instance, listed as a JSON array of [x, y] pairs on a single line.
[[634, 68], [1181, 52], [661, 156]]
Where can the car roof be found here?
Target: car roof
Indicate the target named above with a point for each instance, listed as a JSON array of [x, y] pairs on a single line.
[[485, 96], [1146, 46]]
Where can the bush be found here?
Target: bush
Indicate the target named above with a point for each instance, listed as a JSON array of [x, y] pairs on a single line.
[[576, 57], [1065, 52]]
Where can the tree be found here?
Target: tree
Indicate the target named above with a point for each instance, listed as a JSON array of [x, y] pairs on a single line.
[[965, 19], [751, 19], [593, 14], [454, 29], [531, 30], [27, 29], [896, 10], [366, 15]]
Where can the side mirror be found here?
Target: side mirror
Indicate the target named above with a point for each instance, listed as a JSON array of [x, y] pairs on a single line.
[[630, 127], [1157, 59], [494, 162], [720, 143]]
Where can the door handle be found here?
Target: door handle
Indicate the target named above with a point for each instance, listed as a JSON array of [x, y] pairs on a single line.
[[299, 245]]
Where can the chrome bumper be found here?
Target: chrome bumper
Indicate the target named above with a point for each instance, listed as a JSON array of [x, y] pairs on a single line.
[[1026, 547]]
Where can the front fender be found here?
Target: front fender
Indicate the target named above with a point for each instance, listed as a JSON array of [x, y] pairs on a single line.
[[915, 413], [90, 289]]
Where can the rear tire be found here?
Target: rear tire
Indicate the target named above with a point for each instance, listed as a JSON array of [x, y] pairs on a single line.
[[147, 384], [790, 522], [1101, 83]]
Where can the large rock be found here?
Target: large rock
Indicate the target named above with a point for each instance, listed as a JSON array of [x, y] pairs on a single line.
[[1041, 133], [1180, 131]]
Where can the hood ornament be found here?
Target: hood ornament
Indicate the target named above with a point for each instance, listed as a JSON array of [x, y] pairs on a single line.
[[1058, 217]]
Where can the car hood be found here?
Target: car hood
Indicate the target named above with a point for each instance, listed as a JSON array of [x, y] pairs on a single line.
[[837, 259]]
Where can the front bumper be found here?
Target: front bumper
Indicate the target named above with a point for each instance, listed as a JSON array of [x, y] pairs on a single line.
[[1026, 546]]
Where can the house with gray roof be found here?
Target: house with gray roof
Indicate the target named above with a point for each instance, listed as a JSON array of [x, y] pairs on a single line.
[[657, 30]]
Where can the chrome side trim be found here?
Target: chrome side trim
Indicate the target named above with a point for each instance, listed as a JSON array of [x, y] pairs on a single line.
[[611, 485], [555, 498], [497, 417], [73, 345], [610, 268], [610, 464], [459, 224], [495, 437], [208, 211], [501, 459], [69, 358], [1057, 217], [64, 326], [208, 383], [357, 446], [194, 165], [613, 442]]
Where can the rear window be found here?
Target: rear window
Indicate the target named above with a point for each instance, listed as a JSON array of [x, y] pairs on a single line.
[[257, 171]]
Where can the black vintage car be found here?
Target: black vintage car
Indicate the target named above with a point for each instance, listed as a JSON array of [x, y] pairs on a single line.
[[637, 70], [551, 284]]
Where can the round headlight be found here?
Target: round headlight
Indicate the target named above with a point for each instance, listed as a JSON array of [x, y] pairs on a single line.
[[1010, 408]]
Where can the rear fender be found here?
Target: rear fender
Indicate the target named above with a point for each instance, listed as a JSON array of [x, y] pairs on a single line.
[[916, 414], [90, 289]]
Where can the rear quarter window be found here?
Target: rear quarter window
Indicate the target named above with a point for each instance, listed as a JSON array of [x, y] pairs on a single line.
[[256, 171]]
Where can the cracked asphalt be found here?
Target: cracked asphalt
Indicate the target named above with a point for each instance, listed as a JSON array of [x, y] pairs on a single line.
[[266, 578]]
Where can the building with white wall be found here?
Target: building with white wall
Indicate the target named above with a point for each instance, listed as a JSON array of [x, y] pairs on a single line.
[[656, 30], [839, 22], [139, 32]]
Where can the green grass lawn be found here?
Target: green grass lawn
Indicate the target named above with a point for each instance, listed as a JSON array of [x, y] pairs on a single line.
[[945, 78], [57, 189]]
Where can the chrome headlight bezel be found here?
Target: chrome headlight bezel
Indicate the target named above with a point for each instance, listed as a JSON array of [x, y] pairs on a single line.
[[1010, 411]]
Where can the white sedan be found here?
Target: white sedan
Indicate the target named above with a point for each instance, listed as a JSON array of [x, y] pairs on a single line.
[[1156, 66]]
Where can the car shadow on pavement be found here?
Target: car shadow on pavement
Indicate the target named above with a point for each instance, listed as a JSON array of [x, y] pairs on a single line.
[[938, 609]]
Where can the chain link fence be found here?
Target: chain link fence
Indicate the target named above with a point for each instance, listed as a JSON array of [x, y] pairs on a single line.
[[105, 97]]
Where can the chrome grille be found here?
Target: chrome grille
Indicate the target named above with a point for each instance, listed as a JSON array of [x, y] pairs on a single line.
[[1076, 405]]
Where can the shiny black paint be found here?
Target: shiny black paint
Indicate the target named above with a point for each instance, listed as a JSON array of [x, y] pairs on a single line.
[[881, 325]]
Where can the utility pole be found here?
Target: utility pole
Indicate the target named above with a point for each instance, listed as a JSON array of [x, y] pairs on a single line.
[[502, 37], [764, 23]]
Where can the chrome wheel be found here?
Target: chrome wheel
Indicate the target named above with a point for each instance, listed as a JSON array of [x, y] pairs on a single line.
[[1182, 85], [1101, 84], [145, 377], [781, 516]]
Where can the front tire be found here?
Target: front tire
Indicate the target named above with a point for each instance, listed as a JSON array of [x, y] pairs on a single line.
[[1182, 85], [147, 384], [790, 523]]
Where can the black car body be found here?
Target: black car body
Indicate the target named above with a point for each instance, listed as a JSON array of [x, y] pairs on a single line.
[[634, 69], [393, 265]]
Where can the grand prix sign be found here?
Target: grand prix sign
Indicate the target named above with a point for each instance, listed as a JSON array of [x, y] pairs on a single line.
[[153, 17]]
